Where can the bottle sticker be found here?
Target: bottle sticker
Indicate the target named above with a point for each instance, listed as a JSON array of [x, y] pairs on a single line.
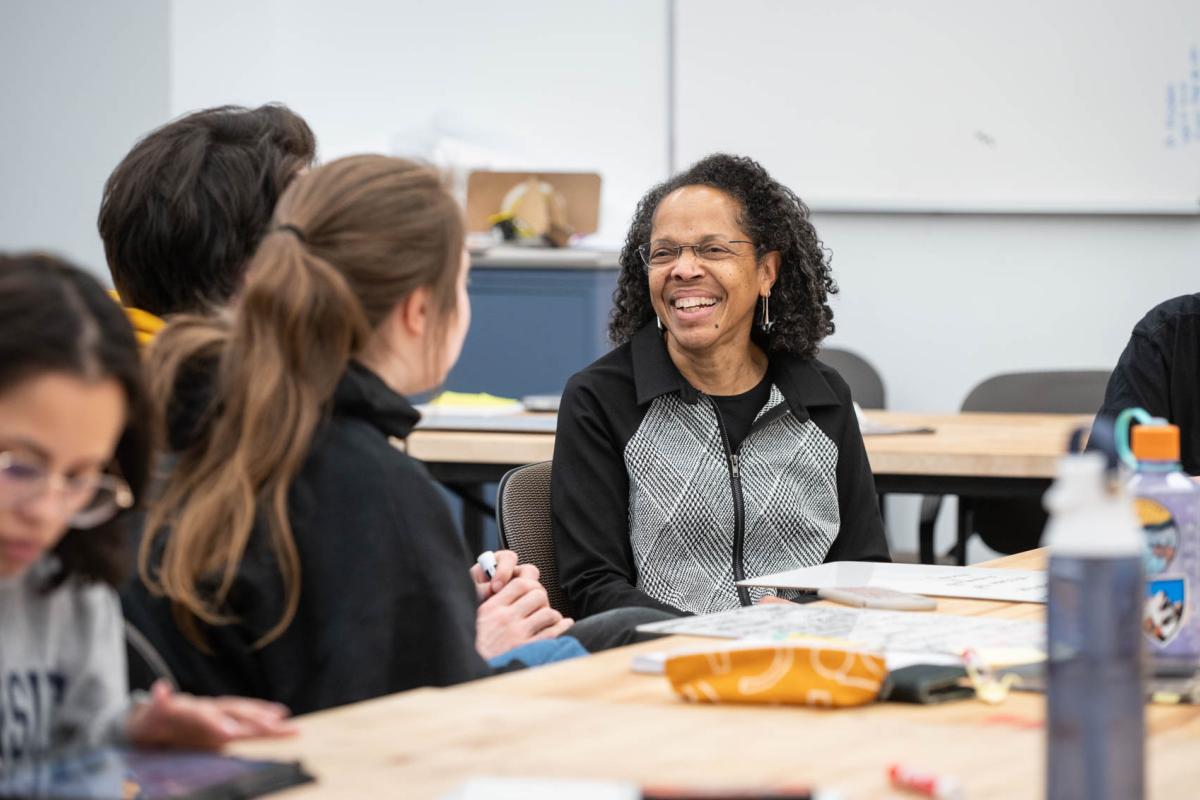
[[1162, 534], [1162, 617]]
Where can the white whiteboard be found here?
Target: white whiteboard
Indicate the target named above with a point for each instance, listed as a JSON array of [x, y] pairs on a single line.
[[1032, 106]]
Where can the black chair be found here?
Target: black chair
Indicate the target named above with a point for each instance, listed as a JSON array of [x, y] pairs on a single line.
[[1012, 525], [523, 520], [866, 387]]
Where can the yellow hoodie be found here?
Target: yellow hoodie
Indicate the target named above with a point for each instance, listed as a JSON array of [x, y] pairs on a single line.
[[145, 325]]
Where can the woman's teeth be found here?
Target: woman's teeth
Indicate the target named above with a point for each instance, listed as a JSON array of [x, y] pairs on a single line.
[[694, 302]]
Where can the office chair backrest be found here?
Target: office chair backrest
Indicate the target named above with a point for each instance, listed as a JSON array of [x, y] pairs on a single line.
[[1049, 392], [866, 387], [523, 519], [1013, 525]]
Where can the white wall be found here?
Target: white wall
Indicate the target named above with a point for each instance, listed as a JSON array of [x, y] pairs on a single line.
[[539, 84], [939, 303], [79, 82]]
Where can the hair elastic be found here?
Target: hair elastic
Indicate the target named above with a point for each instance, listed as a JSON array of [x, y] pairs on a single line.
[[299, 234]]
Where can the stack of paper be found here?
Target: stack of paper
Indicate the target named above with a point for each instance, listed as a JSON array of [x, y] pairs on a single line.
[[901, 635], [979, 583]]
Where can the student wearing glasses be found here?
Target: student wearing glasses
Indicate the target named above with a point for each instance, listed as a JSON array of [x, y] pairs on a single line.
[[711, 445], [74, 455]]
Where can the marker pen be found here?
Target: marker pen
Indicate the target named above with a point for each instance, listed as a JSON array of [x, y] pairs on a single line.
[[924, 783]]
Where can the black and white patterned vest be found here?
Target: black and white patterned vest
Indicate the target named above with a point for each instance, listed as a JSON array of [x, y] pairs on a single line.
[[691, 501]]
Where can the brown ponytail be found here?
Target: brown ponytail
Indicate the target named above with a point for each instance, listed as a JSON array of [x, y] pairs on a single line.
[[349, 241]]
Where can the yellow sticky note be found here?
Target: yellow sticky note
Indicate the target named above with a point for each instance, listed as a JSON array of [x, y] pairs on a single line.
[[476, 400]]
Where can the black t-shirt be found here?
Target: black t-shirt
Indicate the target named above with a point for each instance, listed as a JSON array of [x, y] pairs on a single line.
[[1160, 371], [739, 410]]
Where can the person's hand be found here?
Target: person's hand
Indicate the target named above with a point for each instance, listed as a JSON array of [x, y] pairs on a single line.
[[518, 613], [507, 568], [176, 719], [771, 599]]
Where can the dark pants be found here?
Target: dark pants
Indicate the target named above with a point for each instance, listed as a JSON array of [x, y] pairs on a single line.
[[616, 627]]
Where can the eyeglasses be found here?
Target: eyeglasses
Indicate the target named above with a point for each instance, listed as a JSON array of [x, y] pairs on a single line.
[[85, 500], [661, 254]]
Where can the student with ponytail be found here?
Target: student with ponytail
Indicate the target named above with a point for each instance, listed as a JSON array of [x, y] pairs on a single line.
[[294, 553]]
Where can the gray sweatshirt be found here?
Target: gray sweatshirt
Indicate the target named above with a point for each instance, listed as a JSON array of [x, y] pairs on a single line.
[[62, 665]]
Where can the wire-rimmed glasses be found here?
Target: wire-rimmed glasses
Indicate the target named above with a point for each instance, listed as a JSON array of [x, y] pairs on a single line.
[[85, 500], [664, 254]]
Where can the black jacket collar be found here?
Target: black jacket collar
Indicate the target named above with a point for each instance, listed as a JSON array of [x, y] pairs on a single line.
[[362, 393], [654, 374]]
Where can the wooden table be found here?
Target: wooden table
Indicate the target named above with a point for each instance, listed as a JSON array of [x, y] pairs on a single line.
[[976, 454], [963, 447], [593, 718]]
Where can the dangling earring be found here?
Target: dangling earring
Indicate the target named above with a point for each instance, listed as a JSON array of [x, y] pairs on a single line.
[[767, 323], [658, 319]]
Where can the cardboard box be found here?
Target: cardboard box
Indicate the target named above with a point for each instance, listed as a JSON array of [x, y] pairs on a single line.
[[580, 191]]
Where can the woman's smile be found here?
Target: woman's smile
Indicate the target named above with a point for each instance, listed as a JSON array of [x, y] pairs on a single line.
[[691, 305]]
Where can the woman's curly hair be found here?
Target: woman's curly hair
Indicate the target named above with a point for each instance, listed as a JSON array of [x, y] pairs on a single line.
[[776, 219]]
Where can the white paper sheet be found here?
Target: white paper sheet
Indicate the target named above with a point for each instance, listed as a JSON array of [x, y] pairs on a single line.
[[897, 632], [506, 423], [869, 427], [543, 789], [979, 583]]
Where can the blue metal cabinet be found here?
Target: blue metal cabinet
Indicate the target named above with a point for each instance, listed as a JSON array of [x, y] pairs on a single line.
[[532, 328]]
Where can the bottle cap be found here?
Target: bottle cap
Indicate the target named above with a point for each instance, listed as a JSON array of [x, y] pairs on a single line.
[[1079, 481], [1155, 442], [1089, 517]]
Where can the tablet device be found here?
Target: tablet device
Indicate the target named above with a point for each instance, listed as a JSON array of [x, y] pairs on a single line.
[[117, 774]]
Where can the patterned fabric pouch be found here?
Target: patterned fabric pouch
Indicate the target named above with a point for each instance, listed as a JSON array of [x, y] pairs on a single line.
[[811, 675]]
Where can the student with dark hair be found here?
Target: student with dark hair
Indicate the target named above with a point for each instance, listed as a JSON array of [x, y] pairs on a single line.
[[710, 445], [184, 211], [74, 458], [294, 553], [1159, 371], [181, 217]]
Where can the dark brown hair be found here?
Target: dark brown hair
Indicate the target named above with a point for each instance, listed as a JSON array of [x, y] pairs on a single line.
[[185, 209], [56, 318], [350, 240], [776, 219]]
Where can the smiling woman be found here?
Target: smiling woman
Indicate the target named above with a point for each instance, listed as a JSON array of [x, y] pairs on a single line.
[[711, 446]]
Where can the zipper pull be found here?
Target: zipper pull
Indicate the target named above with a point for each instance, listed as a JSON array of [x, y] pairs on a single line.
[[733, 460]]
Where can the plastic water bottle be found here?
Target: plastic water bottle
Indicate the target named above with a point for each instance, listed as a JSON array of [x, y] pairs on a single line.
[[1095, 695], [1168, 507]]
